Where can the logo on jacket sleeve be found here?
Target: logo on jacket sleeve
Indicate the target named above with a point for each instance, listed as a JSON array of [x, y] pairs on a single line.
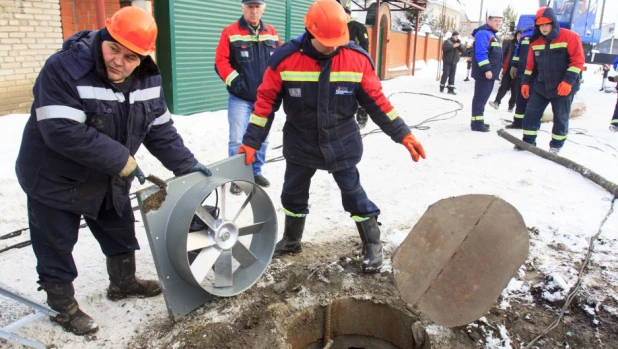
[[344, 91], [294, 92]]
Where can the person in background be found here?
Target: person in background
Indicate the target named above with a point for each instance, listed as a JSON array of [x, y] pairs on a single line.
[[95, 102], [614, 123], [561, 50], [486, 64], [358, 34], [605, 74], [508, 83], [321, 77], [518, 66], [452, 49], [469, 68], [244, 48]]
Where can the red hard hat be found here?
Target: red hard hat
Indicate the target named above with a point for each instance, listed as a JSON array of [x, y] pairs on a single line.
[[327, 21], [134, 28]]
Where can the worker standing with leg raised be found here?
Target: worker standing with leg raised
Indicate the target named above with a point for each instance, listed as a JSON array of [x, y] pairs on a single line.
[[321, 77]]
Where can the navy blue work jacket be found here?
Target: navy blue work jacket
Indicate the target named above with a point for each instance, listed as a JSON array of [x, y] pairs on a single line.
[[82, 129]]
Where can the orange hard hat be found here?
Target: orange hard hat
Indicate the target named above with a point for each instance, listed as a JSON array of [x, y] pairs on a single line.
[[327, 21], [543, 20], [133, 28], [540, 18]]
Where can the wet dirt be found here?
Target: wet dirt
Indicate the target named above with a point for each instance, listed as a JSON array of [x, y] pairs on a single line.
[[154, 201], [259, 317]]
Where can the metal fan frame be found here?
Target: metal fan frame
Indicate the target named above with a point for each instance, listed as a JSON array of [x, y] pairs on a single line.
[[168, 227]]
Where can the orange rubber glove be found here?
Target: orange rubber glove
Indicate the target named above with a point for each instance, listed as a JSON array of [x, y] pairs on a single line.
[[525, 91], [249, 153], [564, 89], [414, 147]]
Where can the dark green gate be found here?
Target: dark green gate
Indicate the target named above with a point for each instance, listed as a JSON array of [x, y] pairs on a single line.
[[189, 32]]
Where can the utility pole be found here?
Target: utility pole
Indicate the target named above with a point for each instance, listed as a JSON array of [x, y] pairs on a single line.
[[481, 13], [602, 13]]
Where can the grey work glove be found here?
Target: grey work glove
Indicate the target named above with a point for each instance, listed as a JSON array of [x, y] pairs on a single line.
[[199, 168], [513, 72], [132, 170]]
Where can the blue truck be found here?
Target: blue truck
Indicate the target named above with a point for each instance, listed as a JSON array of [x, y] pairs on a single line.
[[579, 16]]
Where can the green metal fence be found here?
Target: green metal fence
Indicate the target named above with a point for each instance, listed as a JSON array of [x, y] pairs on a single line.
[[189, 32]]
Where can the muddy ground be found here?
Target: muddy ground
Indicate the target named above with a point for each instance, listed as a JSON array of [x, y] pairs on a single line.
[[321, 274]]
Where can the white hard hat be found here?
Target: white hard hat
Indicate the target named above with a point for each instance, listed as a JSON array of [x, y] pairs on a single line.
[[494, 12]]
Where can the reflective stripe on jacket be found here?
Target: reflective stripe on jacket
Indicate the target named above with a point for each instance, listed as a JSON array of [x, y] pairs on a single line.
[[320, 98], [82, 130], [242, 56]]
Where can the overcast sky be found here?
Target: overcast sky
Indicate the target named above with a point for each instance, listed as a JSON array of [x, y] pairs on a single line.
[[530, 7]]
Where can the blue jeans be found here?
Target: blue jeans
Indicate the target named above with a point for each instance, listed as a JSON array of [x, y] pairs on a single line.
[[615, 118], [238, 116], [297, 180]]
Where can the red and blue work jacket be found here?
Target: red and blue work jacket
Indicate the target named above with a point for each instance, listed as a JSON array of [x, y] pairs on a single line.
[[554, 58], [242, 56], [320, 97]]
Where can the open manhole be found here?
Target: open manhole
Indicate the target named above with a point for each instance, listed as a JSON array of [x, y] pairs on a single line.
[[351, 323]]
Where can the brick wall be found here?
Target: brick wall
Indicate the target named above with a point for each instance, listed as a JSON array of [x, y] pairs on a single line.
[[29, 32], [399, 51], [80, 15]]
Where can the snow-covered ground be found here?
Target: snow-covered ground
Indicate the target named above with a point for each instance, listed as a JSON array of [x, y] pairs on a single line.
[[565, 207]]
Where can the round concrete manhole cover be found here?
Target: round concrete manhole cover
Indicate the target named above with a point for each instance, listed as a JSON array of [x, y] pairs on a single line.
[[460, 255]]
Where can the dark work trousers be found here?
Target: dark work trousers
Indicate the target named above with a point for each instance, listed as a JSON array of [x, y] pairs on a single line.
[[297, 180], [507, 84], [448, 72], [561, 107], [54, 234], [520, 106], [615, 118], [482, 92]]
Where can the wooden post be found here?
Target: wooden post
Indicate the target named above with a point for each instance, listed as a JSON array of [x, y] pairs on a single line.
[[426, 47], [611, 187], [376, 34], [415, 41]]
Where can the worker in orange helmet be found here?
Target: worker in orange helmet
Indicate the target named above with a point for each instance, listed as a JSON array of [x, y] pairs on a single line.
[[95, 102], [321, 77], [555, 61]]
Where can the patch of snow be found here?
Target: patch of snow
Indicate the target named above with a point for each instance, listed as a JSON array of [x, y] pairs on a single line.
[[552, 296], [403, 190]]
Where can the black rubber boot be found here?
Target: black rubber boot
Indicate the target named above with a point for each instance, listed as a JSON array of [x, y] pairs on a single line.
[[516, 124], [372, 246], [61, 298], [122, 280], [292, 234], [451, 91], [479, 126]]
